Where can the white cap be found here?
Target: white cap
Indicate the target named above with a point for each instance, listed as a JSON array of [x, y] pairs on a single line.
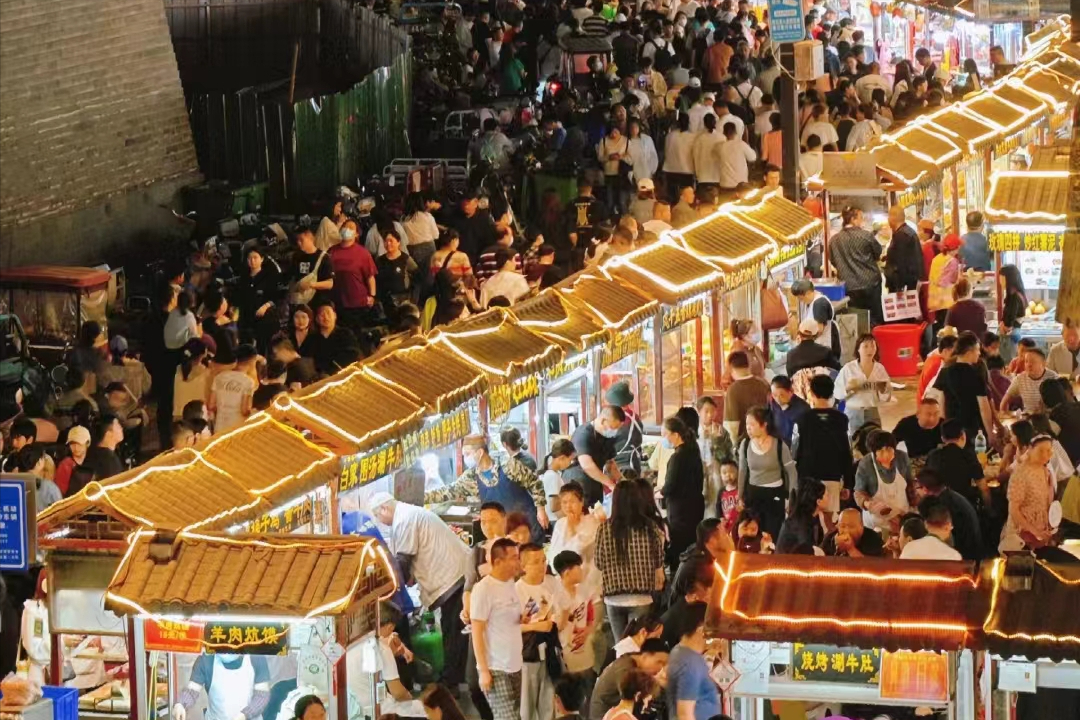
[[620, 18], [78, 434], [695, 82], [810, 327], [379, 499], [646, 184]]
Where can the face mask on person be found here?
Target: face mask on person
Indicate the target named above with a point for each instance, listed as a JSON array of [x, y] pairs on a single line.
[[470, 461], [609, 432], [347, 234], [666, 443]]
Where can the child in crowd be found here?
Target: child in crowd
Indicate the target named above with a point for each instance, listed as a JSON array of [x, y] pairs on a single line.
[[517, 528], [537, 591], [577, 616], [748, 535], [729, 497]]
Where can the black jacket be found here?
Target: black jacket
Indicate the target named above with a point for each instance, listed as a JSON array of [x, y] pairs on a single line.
[[903, 260], [822, 449], [808, 354]]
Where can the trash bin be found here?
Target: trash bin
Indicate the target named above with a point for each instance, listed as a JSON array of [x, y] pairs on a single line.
[[898, 344]]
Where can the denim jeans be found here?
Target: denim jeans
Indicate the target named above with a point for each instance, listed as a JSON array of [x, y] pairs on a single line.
[[619, 616]]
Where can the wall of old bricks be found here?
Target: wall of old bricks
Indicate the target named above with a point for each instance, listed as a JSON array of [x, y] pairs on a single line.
[[94, 135]]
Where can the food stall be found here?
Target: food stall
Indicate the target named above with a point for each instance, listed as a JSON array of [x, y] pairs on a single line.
[[1027, 213], [287, 609], [513, 358], [853, 636], [568, 393], [630, 353], [232, 480], [682, 283]]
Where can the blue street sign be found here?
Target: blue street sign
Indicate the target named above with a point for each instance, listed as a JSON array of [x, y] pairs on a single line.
[[786, 23], [14, 547]]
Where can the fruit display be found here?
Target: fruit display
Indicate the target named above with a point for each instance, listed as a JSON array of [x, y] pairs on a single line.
[[1035, 308]]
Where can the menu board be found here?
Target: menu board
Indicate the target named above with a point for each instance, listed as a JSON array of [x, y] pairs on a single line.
[[1040, 270]]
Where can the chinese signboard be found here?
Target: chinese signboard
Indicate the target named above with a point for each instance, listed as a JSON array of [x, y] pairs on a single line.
[[16, 536], [503, 397], [246, 638], [360, 469], [785, 254], [286, 519], [829, 663], [849, 169], [683, 313], [786, 21], [1040, 241], [909, 197], [173, 636], [741, 277], [907, 675], [623, 344], [437, 433], [566, 367]]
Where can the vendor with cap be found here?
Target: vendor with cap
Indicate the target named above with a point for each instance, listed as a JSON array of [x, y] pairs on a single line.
[[810, 353], [506, 481], [819, 309], [944, 272], [627, 440]]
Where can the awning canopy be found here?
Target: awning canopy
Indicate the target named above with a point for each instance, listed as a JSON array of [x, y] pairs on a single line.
[[786, 222], [280, 576], [1050, 157], [554, 317], [1016, 95], [901, 168], [430, 375], [353, 411], [498, 344], [727, 240], [868, 603], [1057, 90], [664, 271], [1039, 622], [925, 144], [965, 129], [1000, 113], [619, 307], [1020, 197]]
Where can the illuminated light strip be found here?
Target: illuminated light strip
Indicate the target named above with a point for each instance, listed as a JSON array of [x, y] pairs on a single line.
[[1005, 227], [1061, 579], [1027, 115], [842, 575], [897, 140], [727, 579], [1056, 104], [624, 261], [896, 173], [288, 403], [467, 388], [892, 624], [1023, 175], [996, 577]]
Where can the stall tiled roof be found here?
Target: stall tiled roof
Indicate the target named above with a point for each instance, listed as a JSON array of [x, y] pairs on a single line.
[[1046, 34], [902, 165], [999, 112], [1063, 66], [965, 129], [927, 145], [619, 307], [1050, 157], [212, 574], [1027, 196], [786, 222], [1054, 88], [1039, 622], [352, 410], [726, 239], [1069, 49], [433, 376], [495, 342], [1021, 98], [299, 466], [554, 317], [863, 602], [664, 271]]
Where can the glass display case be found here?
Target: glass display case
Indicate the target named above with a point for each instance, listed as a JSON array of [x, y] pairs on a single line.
[[684, 361]]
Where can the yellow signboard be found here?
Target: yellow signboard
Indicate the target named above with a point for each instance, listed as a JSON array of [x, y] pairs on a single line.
[[683, 313], [502, 398], [1041, 241], [624, 344], [437, 433], [362, 468], [566, 367]]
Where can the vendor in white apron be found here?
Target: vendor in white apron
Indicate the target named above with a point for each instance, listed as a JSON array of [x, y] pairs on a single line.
[[819, 307], [881, 483], [237, 687]]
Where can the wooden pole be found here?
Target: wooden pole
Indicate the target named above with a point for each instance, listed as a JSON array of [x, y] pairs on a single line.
[[292, 75], [1068, 300]]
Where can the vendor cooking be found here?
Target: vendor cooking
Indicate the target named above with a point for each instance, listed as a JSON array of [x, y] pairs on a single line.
[[237, 687], [505, 481]]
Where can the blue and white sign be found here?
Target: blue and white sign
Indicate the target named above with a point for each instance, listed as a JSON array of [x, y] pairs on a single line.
[[14, 544], [786, 22]]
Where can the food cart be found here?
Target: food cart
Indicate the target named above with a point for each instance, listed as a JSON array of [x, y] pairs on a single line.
[[851, 635], [568, 393], [1027, 214], [294, 605], [682, 283], [233, 480], [628, 355]]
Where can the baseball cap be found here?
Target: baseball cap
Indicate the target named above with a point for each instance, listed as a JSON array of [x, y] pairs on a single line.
[[379, 499], [78, 434], [646, 184], [695, 82], [810, 327]]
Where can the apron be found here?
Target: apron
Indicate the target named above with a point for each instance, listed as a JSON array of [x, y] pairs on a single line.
[[510, 495], [230, 691], [893, 494]]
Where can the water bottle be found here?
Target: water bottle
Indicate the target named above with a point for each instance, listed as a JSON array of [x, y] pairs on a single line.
[[980, 447]]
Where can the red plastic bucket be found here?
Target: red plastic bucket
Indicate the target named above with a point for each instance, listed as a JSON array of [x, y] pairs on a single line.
[[898, 345]]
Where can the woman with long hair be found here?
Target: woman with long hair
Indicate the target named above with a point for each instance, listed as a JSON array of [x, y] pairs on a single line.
[[439, 704], [744, 337], [1031, 492], [766, 470], [684, 488], [181, 325], [302, 330], [642, 151], [902, 76], [808, 521], [1014, 305], [561, 457], [192, 381], [630, 555]]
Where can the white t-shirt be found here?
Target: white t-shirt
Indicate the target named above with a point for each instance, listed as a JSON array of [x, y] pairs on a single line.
[[706, 164], [552, 483], [440, 559], [863, 397], [230, 389], [824, 130], [626, 645], [679, 152], [537, 601], [722, 120], [655, 226], [929, 548], [511, 285], [734, 157], [421, 228], [697, 117], [389, 670], [496, 603], [576, 633]]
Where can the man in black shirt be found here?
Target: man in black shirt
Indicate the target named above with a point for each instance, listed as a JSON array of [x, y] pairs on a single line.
[[903, 260], [965, 390], [809, 353], [851, 539], [595, 448], [921, 432], [102, 457], [299, 371], [586, 212], [216, 324], [311, 277], [957, 464], [475, 228], [967, 531], [820, 445]]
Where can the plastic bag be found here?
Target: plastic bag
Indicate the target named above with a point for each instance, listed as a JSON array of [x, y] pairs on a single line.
[[35, 632], [19, 690]]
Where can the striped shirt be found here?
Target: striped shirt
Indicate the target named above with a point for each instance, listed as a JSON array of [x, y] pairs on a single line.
[[1028, 390], [486, 266], [594, 25], [440, 560], [854, 253]]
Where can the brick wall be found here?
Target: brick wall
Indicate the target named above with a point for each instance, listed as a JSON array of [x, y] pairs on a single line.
[[91, 109]]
